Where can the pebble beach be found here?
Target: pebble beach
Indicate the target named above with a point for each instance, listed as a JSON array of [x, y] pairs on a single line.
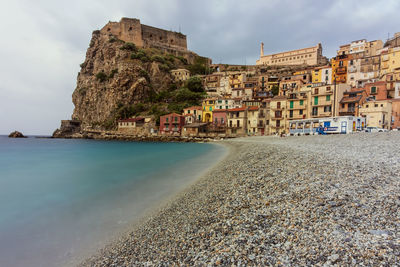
[[294, 201]]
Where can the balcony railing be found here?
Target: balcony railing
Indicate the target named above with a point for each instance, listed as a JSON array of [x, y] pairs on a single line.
[[341, 70]]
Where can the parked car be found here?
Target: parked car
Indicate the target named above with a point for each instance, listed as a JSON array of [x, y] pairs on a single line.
[[375, 130]]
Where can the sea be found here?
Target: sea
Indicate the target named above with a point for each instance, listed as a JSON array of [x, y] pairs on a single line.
[[61, 200]]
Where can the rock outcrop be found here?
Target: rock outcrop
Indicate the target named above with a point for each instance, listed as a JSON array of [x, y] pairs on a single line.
[[109, 79], [16, 134]]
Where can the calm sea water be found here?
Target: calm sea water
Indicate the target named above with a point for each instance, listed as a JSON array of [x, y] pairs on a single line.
[[61, 200]]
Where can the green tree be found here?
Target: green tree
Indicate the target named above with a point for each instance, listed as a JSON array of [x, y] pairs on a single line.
[[195, 84]]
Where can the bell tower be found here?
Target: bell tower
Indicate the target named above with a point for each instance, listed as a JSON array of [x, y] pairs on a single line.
[[262, 50]]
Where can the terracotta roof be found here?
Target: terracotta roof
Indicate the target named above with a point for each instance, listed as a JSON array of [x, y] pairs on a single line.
[[172, 114], [132, 119], [220, 110], [351, 99], [242, 109]]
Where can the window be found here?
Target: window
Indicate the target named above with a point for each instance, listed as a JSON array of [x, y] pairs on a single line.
[[381, 105], [238, 123], [300, 112], [278, 105], [373, 90], [328, 88], [327, 108], [188, 111], [176, 119], [342, 105], [267, 122], [210, 108], [314, 111], [278, 123], [291, 104], [291, 114], [328, 98], [376, 105], [315, 100], [166, 120], [301, 102], [366, 106], [216, 120], [316, 91]]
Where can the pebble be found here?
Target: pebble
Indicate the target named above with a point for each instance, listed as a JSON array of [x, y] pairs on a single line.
[[296, 201]]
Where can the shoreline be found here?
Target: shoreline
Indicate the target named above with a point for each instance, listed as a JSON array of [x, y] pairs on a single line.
[[222, 152], [270, 202]]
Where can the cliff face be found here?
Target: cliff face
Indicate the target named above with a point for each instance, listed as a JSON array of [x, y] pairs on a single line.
[[110, 78]]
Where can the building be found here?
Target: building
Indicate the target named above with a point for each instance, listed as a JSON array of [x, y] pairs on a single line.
[[393, 83], [293, 83], [322, 75], [376, 90], [220, 118], [351, 102], [131, 30], [305, 56], [212, 84], [192, 114], [339, 68], [171, 124], [390, 60], [180, 75], [237, 79], [137, 126], [264, 117], [378, 113], [237, 121], [298, 105], [252, 120], [325, 98], [208, 106], [224, 103], [278, 122]]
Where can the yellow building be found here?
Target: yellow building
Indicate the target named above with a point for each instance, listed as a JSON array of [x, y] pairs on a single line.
[[325, 100], [322, 75], [278, 123], [298, 104], [208, 106], [390, 60], [236, 80], [377, 113]]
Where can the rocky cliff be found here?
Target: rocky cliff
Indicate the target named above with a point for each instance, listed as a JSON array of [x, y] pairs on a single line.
[[119, 80], [112, 77]]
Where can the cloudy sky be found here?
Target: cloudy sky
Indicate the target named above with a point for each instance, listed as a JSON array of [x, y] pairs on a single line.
[[43, 41]]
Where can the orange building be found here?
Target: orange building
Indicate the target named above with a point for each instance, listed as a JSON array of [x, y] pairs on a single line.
[[339, 68]]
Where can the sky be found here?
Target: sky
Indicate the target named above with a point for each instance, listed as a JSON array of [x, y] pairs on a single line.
[[43, 42]]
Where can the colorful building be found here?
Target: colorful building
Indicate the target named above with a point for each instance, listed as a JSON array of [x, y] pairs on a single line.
[[325, 98], [322, 75], [192, 114], [237, 121], [278, 122], [339, 68], [252, 120], [208, 106], [171, 124], [298, 106], [377, 113], [351, 102]]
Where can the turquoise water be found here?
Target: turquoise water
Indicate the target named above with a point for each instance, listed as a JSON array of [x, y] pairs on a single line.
[[61, 200]]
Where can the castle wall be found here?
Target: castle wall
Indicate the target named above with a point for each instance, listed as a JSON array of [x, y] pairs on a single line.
[[158, 37], [128, 30]]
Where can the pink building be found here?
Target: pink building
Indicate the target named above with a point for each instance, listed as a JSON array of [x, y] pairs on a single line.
[[376, 90], [171, 124], [219, 117]]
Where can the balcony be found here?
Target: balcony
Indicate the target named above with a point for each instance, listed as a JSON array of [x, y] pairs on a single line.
[[321, 104], [276, 127], [348, 112], [295, 107], [261, 115], [341, 70], [277, 118]]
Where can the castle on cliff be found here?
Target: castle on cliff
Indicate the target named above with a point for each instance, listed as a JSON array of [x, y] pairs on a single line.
[[131, 30]]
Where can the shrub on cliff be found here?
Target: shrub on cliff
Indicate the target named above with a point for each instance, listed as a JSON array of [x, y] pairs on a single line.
[[113, 72], [158, 58], [101, 76], [129, 47], [195, 84], [141, 55]]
